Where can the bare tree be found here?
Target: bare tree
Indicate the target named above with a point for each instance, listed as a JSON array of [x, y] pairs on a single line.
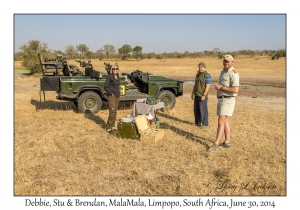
[[109, 50], [100, 54], [216, 50]]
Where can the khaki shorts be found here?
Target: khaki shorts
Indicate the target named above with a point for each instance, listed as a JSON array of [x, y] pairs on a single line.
[[225, 106]]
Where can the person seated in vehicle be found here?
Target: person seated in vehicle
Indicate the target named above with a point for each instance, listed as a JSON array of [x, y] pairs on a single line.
[[74, 69]]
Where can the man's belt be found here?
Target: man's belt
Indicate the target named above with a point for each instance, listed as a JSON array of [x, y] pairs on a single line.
[[224, 97]]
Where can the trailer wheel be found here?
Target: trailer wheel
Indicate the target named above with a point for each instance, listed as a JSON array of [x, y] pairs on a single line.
[[89, 102], [168, 98]]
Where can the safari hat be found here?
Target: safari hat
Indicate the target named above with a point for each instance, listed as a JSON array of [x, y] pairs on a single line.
[[228, 58], [202, 64]]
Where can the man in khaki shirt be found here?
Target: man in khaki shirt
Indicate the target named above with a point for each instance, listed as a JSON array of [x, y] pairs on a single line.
[[227, 88]]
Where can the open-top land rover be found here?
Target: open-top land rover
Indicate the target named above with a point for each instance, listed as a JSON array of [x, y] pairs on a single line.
[[86, 87]]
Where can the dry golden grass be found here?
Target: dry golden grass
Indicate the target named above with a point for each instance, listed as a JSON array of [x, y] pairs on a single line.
[[58, 151], [256, 69]]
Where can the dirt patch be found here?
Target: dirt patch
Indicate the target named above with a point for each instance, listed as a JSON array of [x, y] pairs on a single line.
[[266, 97]]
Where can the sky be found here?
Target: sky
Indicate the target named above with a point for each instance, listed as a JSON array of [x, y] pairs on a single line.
[[270, 24], [154, 32]]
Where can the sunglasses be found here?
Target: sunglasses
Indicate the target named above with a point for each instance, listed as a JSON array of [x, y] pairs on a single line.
[[115, 68]]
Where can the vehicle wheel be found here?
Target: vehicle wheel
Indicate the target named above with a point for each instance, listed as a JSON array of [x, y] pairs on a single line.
[[89, 102], [168, 98]]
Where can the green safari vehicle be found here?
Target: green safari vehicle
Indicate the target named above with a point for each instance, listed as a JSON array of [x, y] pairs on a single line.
[[86, 88]]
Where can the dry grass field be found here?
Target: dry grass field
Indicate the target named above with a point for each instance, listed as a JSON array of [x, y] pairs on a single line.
[[58, 151]]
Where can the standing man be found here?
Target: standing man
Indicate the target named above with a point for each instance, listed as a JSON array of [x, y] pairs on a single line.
[[227, 89], [199, 95]]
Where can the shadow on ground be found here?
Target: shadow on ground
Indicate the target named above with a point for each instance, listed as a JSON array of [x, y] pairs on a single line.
[[173, 118], [185, 134], [69, 105], [96, 119], [54, 105], [201, 140]]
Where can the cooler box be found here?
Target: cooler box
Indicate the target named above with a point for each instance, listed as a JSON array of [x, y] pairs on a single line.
[[128, 130], [147, 134]]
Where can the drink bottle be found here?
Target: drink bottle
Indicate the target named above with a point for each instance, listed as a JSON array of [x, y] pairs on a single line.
[[157, 123]]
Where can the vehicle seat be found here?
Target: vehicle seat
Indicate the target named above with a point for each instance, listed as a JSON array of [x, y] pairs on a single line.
[[66, 70], [47, 67]]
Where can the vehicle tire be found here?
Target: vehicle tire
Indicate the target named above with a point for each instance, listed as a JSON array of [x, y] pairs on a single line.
[[168, 98], [89, 102]]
